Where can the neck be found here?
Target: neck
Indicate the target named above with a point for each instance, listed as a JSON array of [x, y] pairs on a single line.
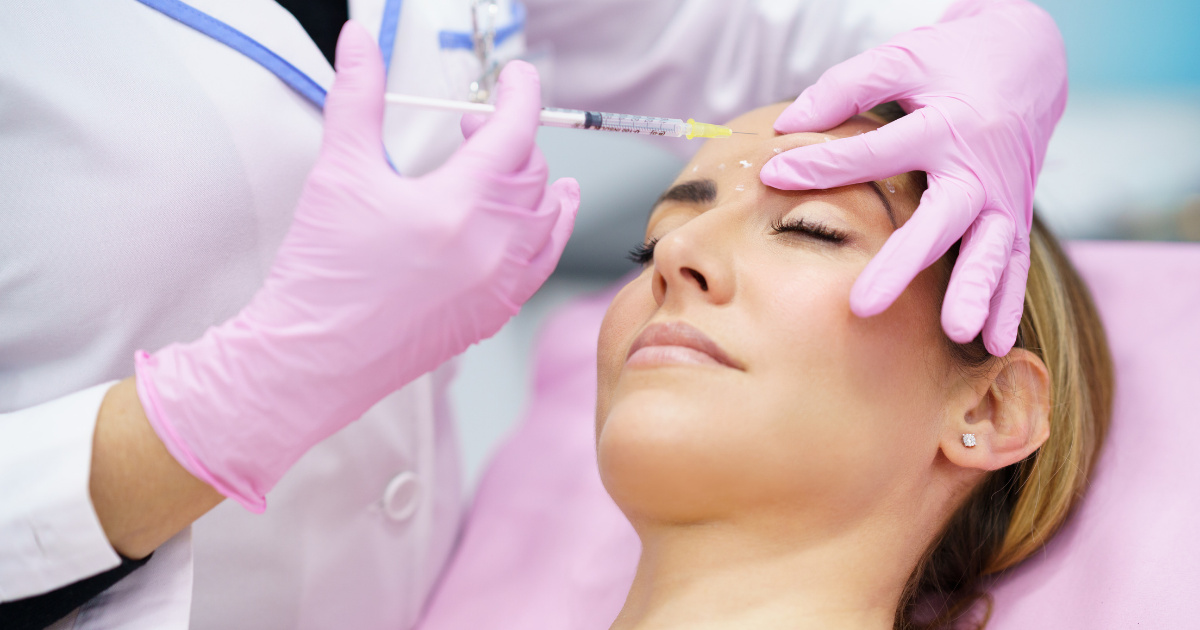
[[723, 575]]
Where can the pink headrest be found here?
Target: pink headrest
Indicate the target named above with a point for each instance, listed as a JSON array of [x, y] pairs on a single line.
[[1130, 556], [545, 547]]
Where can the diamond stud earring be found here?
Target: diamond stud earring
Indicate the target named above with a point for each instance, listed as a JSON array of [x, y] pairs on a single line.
[[968, 440]]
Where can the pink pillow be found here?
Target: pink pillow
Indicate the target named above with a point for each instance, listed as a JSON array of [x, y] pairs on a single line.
[[544, 546], [1130, 556]]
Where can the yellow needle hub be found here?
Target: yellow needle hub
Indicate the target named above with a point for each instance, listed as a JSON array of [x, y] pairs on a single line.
[[705, 130]]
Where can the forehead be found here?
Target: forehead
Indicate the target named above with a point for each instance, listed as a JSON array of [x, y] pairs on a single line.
[[765, 143]]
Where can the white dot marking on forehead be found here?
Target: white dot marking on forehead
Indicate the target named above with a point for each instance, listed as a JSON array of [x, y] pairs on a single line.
[[745, 164]]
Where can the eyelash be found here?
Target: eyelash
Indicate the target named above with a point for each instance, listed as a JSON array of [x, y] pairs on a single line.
[[815, 229], [643, 253]]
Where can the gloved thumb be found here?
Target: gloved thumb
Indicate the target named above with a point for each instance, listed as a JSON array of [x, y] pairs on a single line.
[[505, 140], [354, 106]]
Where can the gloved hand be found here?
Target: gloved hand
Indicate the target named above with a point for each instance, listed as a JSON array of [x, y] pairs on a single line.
[[379, 279], [984, 89]]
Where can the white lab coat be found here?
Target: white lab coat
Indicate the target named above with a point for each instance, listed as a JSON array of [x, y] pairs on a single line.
[[147, 176]]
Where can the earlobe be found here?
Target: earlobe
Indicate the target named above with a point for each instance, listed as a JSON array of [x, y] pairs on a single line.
[[1010, 420]]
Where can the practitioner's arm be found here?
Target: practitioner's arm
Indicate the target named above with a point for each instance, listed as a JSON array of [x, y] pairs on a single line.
[[141, 494], [379, 279]]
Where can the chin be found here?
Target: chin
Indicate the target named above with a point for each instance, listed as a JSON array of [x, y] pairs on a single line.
[[671, 455]]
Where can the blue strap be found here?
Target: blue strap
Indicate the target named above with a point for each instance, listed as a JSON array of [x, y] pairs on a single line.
[[458, 39], [387, 31], [239, 41], [265, 57]]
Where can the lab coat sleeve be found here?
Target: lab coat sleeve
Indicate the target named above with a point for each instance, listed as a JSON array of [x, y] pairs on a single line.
[[50, 535], [707, 59]]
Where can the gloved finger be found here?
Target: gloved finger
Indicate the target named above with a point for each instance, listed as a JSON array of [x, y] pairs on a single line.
[[525, 188], [471, 123], [562, 198], [982, 259], [1008, 304], [354, 105], [506, 139], [947, 209], [851, 87], [877, 154]]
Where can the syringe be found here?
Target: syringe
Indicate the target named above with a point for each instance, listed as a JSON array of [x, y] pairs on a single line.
[[579, 119]]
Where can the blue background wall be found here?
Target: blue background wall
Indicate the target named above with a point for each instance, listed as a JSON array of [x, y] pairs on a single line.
[[1130, 44]]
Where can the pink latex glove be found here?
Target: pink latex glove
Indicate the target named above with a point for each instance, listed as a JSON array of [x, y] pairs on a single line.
[[380, 279], [984, 89]]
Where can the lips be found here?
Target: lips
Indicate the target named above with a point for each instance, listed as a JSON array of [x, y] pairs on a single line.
[[676, 343]]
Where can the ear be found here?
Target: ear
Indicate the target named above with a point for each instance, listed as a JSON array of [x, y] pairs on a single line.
[[1010, 419]]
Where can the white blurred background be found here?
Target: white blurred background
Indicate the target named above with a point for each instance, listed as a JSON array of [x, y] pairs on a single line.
[[1124, 163]]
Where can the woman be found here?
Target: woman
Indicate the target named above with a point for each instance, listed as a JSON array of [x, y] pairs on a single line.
[[787, 464]]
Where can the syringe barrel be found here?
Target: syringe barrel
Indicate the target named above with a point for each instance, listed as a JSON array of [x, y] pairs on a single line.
[[622, 123], [648, 125]]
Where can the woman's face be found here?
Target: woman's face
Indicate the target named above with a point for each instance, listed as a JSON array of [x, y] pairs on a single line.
[[752, 389]]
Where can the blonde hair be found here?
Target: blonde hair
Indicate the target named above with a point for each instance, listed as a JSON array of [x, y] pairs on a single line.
[[1016, 510]]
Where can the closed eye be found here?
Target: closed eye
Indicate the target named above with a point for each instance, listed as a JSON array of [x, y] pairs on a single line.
[[813, 229], [643, 254]]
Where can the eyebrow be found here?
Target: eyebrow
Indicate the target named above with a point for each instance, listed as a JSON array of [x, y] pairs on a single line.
[[695, 191], [886, 204]]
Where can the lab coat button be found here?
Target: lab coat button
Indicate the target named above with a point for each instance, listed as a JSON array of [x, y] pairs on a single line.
[[401, 498]]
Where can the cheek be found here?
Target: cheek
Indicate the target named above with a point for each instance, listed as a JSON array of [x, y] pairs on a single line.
[[883, 379], [851, 406], [630, 309]]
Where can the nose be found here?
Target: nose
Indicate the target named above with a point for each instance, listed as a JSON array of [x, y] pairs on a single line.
[[689, 263]]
